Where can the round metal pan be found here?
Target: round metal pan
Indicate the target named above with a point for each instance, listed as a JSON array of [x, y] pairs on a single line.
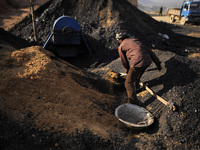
[[134, 116]]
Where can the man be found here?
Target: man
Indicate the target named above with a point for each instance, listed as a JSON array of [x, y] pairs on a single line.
[[161, 9], [140, 57]]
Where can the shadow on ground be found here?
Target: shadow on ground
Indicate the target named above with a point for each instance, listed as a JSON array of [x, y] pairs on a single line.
[[177, 74]]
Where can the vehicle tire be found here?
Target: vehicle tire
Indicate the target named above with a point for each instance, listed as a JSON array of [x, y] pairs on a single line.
[[183, 20], [172, 19]]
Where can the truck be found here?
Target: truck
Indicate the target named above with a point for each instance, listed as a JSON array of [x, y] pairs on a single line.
[[188, 13]]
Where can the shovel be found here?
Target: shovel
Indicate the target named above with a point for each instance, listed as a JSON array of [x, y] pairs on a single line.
[[169, 104]]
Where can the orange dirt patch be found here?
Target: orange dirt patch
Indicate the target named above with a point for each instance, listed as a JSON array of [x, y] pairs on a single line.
[[194, 55], [197, 35]]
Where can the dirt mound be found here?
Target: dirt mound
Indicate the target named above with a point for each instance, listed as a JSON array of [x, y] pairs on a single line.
[[99, 20], [37, 80], [52, 96]]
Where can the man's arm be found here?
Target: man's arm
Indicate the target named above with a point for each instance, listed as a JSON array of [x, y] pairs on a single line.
[[124, 59]]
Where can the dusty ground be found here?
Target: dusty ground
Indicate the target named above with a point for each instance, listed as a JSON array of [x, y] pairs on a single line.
[[48, 103], [12, 14], [190, 29]]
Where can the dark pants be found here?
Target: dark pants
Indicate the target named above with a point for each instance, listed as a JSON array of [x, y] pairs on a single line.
[[132, 81]]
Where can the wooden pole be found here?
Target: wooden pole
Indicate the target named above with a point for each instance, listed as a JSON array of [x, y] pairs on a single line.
[[33, 21], [169, 104]]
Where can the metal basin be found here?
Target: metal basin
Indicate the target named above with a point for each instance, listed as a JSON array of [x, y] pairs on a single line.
[[134, 116]]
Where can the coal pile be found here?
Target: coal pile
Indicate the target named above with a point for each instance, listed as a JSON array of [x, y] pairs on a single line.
[[99, 20]]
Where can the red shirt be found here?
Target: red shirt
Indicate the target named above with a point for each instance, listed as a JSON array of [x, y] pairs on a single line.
[[134, 51]]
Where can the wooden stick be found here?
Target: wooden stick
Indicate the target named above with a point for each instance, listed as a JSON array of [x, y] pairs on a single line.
[[171, 105], [33, 21]]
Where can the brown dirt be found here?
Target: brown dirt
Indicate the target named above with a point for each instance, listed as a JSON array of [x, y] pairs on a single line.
[[26, 73], [48, 103], [13, 11], [55, 95]]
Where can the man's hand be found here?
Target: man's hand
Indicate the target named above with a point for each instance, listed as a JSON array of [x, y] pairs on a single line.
[[123, 74]]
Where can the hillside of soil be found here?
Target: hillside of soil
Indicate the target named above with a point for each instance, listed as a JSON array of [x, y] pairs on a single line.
[[50, 103]]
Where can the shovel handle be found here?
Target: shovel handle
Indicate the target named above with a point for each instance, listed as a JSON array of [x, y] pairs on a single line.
[[171, 105]]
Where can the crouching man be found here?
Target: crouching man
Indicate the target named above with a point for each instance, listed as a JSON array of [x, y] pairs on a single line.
[[140, 57]]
